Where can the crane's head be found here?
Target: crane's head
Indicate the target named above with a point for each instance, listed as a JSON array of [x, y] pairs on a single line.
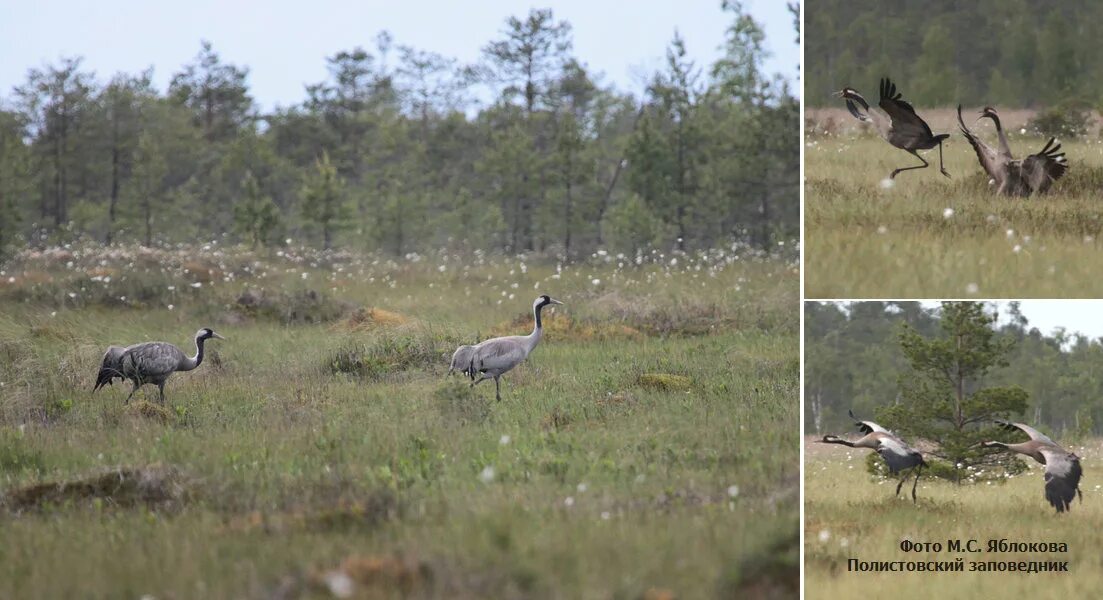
[[848, 93], [207, 333], [989, 112], [543, 301]]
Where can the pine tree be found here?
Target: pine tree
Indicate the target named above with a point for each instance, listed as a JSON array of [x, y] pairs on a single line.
[[945, 399], [323, 200], [256, 216]]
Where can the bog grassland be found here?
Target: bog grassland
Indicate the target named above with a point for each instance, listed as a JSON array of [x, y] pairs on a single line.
[[850, 514], [926, 236], [648, 447]]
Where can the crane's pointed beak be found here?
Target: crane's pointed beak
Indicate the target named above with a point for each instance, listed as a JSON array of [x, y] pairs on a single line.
[[216, 336], [554, 301], [838, 94]]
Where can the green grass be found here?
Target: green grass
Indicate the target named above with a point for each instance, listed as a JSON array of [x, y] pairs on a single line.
[[849, 514], [292, 466], [866, 241]]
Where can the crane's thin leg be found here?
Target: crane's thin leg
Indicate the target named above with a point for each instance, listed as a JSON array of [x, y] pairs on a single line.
[[918, 472], [901, 484], [474, 383], [915, 154], [135, 384], [940, 165], [498, 388], [161, 389], [1080, 494]]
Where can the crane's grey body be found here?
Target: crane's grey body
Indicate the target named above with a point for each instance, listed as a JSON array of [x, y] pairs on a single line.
[[897, 123], [150, 362], [1062, 474], [898, 455], [461, 360], [1034, 174], [497, 356]]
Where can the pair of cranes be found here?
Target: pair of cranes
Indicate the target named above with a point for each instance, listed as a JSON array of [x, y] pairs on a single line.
[[155, 362], [898, 124], [1062, 472]]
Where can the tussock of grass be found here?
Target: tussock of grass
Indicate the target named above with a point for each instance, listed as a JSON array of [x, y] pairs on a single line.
[[16, 455], [393, 350], [459, 403], [374, 575], [154, 486], [363, 319], [557, 420], [665, 381], [361, 513], [298, 307], [145, 409]]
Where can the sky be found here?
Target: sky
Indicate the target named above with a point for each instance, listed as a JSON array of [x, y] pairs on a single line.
[[284, 43], [1076, 316]]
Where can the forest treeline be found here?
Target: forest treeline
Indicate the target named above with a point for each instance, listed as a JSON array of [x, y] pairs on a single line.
[[854, 360], [1008, 53], [393, 153]]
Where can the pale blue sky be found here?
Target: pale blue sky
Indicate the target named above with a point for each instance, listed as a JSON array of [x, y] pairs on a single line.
[[285, 43], [1076, 316]]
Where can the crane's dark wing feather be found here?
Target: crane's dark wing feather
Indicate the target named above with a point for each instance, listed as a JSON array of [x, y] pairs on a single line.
[[1062, 477], [1027, 429], [904, 120], [1042, 169], [866, 426]]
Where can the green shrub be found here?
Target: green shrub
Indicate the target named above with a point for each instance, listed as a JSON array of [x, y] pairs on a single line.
[[1069, 119]]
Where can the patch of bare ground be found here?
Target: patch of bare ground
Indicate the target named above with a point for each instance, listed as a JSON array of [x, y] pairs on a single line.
[[158, 486]]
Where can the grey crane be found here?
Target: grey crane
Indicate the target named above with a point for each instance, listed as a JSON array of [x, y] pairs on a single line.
[[898, 455], [494, 357], [896, 123], [1015, 177], [1062, 474], [150, 362]]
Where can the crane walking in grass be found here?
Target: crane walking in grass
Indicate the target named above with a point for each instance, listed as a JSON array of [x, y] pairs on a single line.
[[1015, 177], [898, 455], [896, 123], [1062, 467], [150, 362], [494, 357]]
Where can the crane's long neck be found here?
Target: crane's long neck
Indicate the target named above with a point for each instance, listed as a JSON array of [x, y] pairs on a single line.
[[537, 328], [1005, 148], [193, 362], [835, 440], [859, 99]]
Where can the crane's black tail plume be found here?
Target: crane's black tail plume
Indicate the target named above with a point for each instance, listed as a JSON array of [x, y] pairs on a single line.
[[106, 376]]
